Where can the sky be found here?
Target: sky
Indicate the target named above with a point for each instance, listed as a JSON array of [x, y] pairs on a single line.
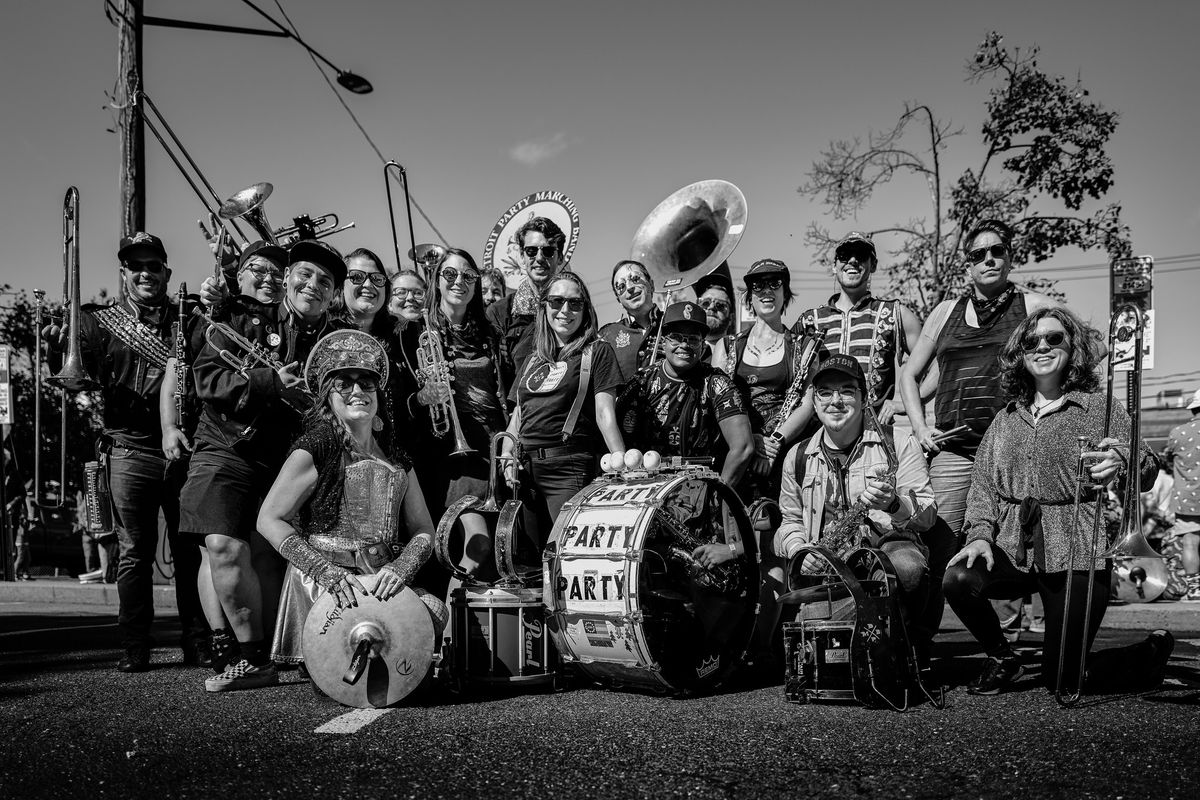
[[616, 104]]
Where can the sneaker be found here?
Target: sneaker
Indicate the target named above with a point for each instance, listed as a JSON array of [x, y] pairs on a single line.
[[1038, 625], [197, 652], [243, 675], [95, 576], [997, 674], [136, 659], [224, 652]]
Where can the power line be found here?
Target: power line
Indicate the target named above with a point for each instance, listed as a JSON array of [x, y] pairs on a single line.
[[361, 129]]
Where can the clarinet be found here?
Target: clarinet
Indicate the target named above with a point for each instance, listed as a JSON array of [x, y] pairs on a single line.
[[813, 339], [181, 366]]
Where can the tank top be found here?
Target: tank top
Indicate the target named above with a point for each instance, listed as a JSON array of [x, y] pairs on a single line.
[[969, 391]]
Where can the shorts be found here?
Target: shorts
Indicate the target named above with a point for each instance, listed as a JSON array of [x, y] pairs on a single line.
[[464, 475], [222, 495]]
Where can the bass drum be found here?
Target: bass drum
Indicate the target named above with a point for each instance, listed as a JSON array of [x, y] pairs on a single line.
[[628, 606]]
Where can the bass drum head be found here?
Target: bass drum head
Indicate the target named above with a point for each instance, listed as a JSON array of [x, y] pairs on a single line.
[[697, 623]]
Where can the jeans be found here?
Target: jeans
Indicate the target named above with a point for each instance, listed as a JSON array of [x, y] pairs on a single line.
[[950, 476], [557, 480], [969, 590], [141, 483]]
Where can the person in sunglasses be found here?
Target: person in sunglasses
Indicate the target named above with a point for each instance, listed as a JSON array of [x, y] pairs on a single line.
[[878, 332], [682, 406], [125, 346], [365, 295], [564, 399], [632, 337], [962, 340], [472, 350], [250, 416], [314, 513], [714, 293], [1020, 520], [541, 244]]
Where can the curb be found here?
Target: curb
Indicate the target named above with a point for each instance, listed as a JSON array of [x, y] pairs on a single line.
[[59, 591]]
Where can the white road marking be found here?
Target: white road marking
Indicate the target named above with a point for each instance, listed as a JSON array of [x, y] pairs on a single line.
[[352, 721]]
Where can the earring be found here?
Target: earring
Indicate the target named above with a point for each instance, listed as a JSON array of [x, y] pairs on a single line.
[[377, 424]]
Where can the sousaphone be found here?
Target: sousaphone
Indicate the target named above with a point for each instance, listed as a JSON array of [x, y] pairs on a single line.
[[690, 234]]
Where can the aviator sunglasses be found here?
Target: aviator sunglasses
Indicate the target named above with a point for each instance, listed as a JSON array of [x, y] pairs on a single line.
[[548, 251], [997, 251], [1030, 342]]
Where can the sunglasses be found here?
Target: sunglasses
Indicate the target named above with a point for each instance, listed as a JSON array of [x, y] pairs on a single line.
[[344, 385], [574, 304], [825, 393], [620, 286], [860, 254], [265, 273], [678, 340], [548, 251], [996, 251], [451, 275], [766, 285], [719, 306], [153, 267], [1030, 342], [358, 277]]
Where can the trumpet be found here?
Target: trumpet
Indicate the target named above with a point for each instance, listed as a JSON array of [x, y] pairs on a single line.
[[432, 366], [1134, 560], [254, 355]]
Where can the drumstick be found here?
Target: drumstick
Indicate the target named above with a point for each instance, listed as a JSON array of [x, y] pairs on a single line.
[[953, 433]]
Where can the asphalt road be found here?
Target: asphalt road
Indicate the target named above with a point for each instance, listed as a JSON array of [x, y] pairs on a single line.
[[75, 727]]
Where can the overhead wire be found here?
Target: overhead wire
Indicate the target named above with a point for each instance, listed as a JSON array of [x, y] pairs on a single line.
[[359, 125]]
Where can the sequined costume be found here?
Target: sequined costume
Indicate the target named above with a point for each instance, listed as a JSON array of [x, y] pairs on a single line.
[[354, 518]]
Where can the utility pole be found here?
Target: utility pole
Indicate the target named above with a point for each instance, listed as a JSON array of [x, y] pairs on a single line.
[[129, 117]]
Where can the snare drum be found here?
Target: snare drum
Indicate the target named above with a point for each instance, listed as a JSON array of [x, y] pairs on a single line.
[[500, 638], [628, 605]]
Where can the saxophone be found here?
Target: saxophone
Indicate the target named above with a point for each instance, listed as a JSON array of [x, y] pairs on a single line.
[[846, 533], [724, 578], [813, 339]]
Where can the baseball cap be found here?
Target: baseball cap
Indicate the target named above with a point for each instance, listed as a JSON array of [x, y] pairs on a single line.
[[857, 237], [321, 254], [143, 241], [766, 267], [685, 313], [272, 252], [843, 364]]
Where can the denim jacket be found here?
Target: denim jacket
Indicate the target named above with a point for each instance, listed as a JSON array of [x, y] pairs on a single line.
[[803, 506]]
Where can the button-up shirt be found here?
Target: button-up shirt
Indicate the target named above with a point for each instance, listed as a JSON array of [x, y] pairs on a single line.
[[1183, 456], [871, 331], [1021, 457]]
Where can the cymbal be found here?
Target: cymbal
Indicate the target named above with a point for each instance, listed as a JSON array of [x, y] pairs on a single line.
[[388, 643], [1139, 580]]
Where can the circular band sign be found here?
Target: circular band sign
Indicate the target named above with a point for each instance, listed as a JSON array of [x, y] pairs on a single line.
[[503, 252]]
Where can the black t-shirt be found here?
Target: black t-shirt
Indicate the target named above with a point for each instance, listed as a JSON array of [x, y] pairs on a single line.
[[545, 393], [679, 417]]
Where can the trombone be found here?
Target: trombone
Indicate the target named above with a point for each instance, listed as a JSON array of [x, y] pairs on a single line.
[[1133, 558], [73, 377]]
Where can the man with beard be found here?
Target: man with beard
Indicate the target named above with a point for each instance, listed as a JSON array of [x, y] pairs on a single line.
[[541, 255], [878, 333], [633, 336], [682, 406], [125, 347], [845, 467], [248, 420], [714, 293]]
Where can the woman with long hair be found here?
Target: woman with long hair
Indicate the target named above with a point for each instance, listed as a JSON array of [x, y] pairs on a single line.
[[365, 295], [1019, 513], [470, 347], [346, 501], [565, 399]]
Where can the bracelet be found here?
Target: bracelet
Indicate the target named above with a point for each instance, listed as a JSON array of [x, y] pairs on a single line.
[[733, 549]]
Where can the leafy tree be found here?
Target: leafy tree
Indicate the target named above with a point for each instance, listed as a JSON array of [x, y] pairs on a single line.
[[17, 326], [1043, 158]]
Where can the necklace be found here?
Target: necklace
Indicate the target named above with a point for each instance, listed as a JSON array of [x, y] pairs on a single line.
[[1039, 409]]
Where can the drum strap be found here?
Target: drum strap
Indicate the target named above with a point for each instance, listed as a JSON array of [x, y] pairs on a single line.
[[585, 374]]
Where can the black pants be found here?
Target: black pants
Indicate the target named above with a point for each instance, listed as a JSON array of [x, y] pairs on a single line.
[[969, 590], [557, 479], [141, 484]]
